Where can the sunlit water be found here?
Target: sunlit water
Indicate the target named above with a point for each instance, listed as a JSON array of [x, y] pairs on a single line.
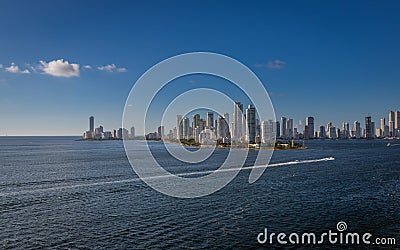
[[56, 192]]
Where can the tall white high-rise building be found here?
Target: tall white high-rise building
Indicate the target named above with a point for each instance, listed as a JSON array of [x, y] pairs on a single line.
[[345, 130], [357, 130], [332, 132], [237, 121], [186, 128], [397, 120], [267, 131]]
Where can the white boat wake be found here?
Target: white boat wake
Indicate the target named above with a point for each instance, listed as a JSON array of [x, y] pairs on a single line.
[[22, 192]]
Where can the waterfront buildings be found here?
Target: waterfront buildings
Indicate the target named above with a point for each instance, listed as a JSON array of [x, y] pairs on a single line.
[[249, 129], [99, 133]]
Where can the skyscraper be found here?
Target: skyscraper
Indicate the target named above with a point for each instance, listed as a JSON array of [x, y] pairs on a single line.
[[160, 132], [132, 135], [397, 120], [283, 127], [306, 133], [310, 124], [179, 126], [277, 128], [222, 128], [196, 121], [372, 129], [391, 123], [357, 130], [185, 128], [237, 120], [226, 117], [289, 128], [267, 131], [91, 124], [322, 133], [210, 120], [368, 127], [251, 124], [345, 130]]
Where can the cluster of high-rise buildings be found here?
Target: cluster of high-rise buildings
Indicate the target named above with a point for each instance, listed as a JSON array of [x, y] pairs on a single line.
[[391, 129], [244, 128], [99, 133]]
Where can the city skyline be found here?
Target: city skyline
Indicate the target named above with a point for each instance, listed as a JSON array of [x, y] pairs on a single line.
[[247, 127], [310, 61]]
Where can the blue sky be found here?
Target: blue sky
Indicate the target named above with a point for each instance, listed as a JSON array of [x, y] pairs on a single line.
[[336, 61]]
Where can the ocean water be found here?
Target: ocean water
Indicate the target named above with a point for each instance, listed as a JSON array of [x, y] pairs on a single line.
[[57, 192]]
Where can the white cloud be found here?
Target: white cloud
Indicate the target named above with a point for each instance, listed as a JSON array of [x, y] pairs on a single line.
[[275, 64], [111, 68], [108, 68], [16, 70], [122, 70], [87, 67], [60, 68], [1, 66]]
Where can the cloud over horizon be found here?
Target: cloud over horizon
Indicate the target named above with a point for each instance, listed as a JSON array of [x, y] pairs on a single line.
[[60, 68], [275, 64], [111, 68], [15, 69]]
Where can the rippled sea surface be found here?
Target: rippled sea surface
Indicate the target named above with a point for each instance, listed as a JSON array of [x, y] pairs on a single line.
[[57, 192]]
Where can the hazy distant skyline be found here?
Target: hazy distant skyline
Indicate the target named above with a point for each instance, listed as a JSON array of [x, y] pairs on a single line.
[[61, 62]]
